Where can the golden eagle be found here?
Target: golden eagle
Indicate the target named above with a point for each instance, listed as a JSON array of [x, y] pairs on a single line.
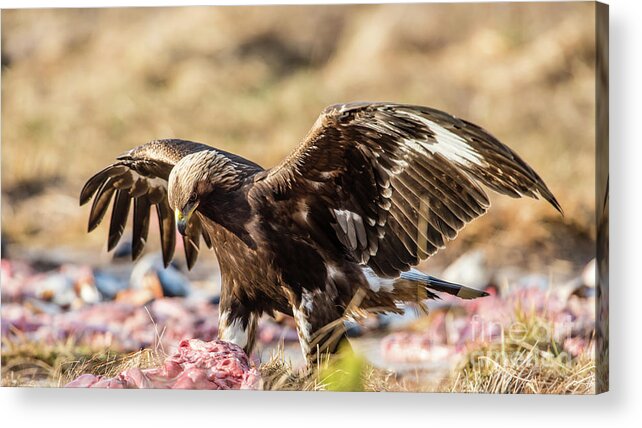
[[373, 189]]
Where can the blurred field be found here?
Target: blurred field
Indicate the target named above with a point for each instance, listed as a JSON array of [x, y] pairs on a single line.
[[81, 86]]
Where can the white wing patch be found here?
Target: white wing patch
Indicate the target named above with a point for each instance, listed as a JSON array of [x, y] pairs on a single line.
[[448, 144]]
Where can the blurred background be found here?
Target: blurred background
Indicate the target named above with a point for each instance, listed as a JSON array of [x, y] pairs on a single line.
[[81, 86]]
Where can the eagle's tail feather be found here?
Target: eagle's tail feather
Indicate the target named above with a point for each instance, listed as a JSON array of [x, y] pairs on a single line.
[[441, 285]]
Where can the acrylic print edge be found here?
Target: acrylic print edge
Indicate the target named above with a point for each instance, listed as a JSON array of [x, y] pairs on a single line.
[[602, 197]]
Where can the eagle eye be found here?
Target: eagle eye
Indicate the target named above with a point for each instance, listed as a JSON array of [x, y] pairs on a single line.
[[192, 198]]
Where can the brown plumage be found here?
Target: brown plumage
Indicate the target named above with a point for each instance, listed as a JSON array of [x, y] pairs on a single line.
[[372, 190]]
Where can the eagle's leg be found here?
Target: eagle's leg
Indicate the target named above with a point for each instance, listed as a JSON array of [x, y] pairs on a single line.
[[319, 325], [237, 325]]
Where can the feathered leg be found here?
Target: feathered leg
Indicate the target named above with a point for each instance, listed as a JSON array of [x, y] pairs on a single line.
[[319, 324], [236, 324]]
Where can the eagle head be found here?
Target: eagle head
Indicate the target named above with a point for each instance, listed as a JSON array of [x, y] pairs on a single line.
[[194, 178]]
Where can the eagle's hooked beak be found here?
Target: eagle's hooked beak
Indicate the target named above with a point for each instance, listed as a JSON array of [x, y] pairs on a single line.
[[182, 217]]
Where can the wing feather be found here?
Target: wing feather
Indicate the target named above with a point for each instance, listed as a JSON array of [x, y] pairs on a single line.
[[413, 174], [95, 182], [141, 175], [101, 204], [118, 218], [141, 226], [167, 231]]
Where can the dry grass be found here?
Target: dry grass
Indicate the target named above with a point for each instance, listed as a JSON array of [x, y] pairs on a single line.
[[534, 363], [531, 363], [523, 372], [506, 367], [278, 374], [33, 364], [517, 373], [28, 363], [346, 371]]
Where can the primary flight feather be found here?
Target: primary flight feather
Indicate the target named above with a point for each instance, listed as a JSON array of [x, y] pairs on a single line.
[[373, 189]]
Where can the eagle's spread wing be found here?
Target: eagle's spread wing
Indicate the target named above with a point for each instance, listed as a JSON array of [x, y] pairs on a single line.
[[400, 180], [141, 175]]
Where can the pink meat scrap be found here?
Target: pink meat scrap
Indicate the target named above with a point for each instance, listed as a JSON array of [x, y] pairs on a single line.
[[196, 365]]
